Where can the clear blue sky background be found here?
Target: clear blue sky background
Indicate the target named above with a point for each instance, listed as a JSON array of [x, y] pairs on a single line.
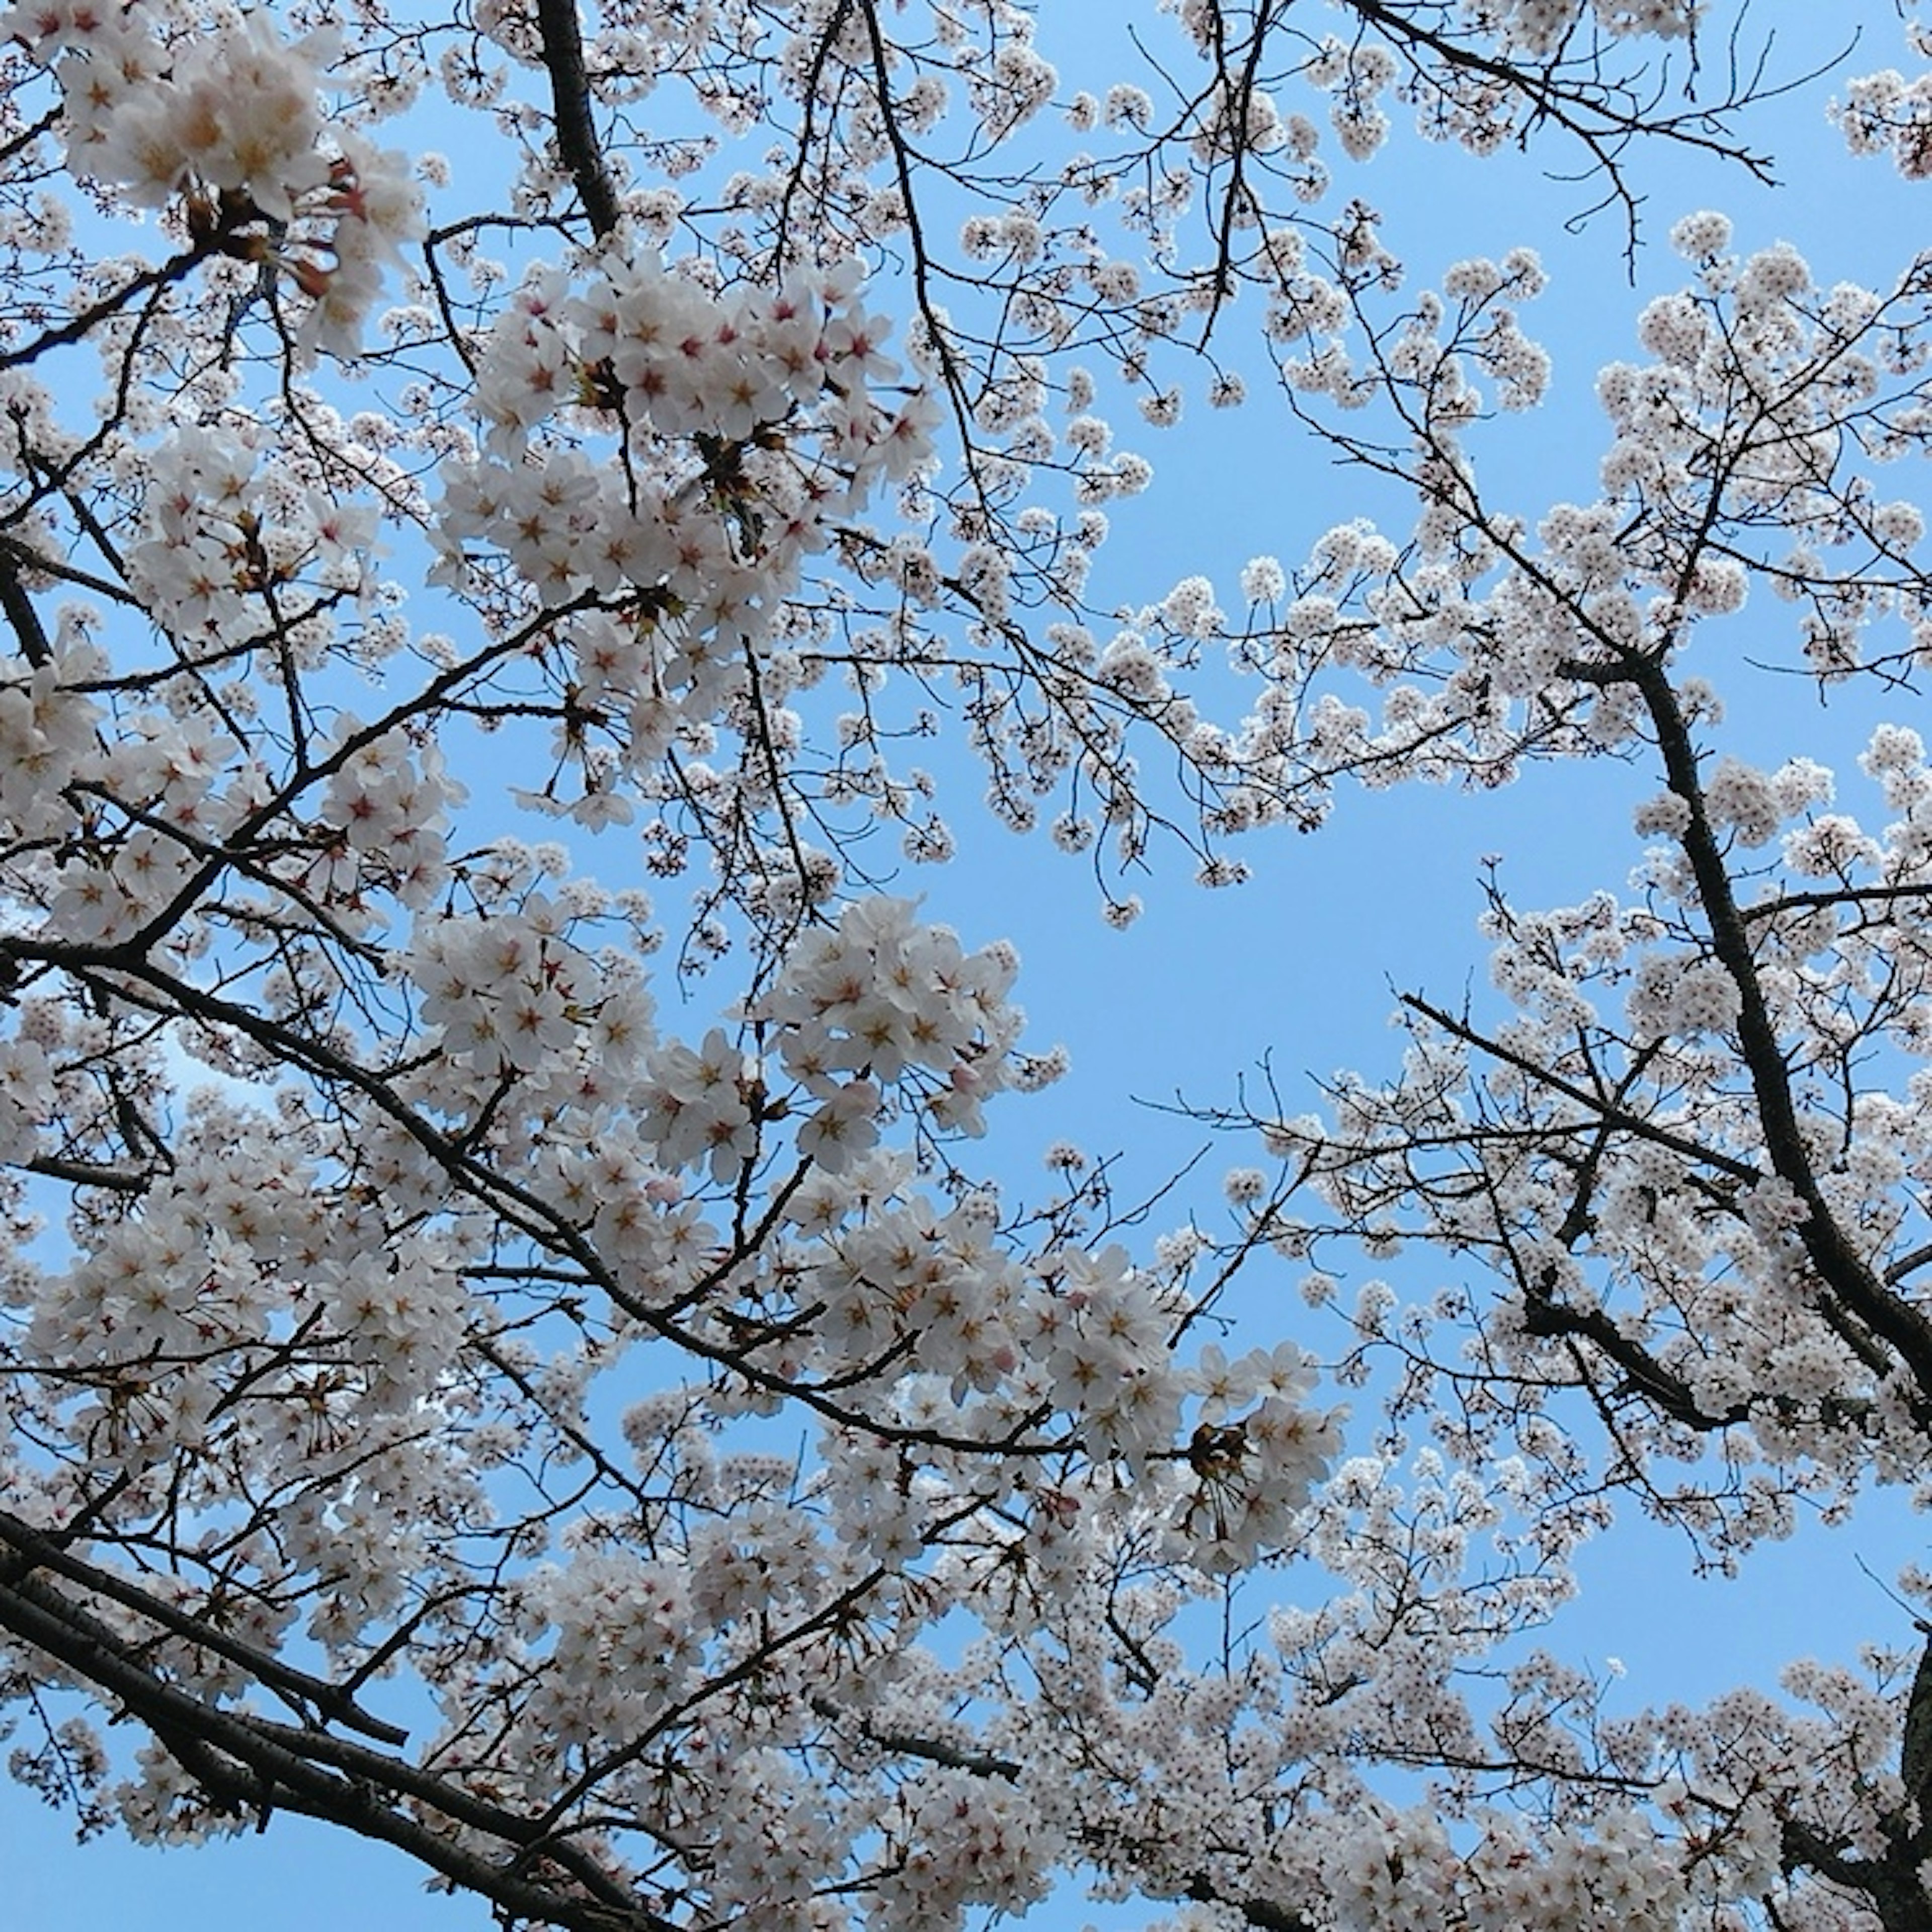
[[1300, 963]]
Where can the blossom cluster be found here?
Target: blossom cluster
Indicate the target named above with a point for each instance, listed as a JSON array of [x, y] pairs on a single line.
[[228, 116], [1885, 112], [217, 534], [748, 424], [46, 742], [1539, 27], [881, 995]]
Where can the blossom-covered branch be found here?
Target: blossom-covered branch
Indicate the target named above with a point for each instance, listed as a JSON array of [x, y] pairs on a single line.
[[506, 1211]]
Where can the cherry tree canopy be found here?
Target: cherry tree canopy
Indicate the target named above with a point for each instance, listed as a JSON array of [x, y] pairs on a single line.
[[540, 1371]]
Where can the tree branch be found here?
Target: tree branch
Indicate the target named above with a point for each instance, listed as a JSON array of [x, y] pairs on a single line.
[[243, 1762], [38, 1550], [576, 134]]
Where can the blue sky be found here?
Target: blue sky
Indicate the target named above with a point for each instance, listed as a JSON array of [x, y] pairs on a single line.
[[1298, 964]]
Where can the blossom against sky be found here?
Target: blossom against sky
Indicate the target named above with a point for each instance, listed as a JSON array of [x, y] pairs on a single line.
[[1298, 965]]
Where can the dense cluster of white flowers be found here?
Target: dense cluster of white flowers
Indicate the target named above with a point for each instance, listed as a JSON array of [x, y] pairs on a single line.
[[739, 433], [1541, 27], [1885, 112], [229, 121], [749, 424]]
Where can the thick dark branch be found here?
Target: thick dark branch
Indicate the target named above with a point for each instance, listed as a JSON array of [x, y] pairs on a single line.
[[1258, 1911], [1544, 1314], [18, 607], [1223, 225], [1860, 896], [89, 1174], [1908, 1263], [1890, 1886], [1915, 1752], [570, 92], [78, 327], [244, 1763], [22, 556], [938, 331], [1841, 1269], [38, 1550], [1599, 1106], [1590, 113], [981, 1764]]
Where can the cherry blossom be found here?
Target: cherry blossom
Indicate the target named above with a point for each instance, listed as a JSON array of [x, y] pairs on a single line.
[[520, 1338]]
